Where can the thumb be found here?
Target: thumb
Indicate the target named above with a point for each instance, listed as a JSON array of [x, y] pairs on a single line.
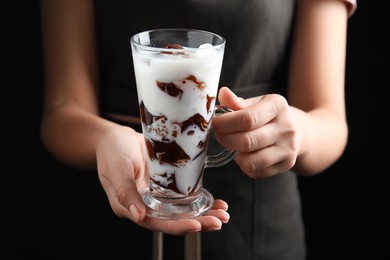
[[227, 98], [124, 197], [132, 201]]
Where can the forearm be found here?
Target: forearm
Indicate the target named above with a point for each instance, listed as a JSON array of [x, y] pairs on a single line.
[[316, 84], [71, 134], [323, 138]]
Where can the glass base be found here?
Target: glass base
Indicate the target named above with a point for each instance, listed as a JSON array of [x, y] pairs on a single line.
[[178, 208]]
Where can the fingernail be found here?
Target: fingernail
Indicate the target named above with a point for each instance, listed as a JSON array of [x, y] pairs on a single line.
[[134, 213], [227, 219], [213, 229]]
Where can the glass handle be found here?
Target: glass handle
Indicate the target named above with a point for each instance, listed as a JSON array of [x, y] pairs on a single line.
[[225, 156]]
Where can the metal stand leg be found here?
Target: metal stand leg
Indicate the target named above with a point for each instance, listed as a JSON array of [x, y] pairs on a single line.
[[192, 245], [158, 243]]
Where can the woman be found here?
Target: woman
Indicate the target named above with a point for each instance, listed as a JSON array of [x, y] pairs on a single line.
[[284, 62]]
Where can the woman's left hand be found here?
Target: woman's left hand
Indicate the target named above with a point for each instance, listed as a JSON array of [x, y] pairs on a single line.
[[261, 130]]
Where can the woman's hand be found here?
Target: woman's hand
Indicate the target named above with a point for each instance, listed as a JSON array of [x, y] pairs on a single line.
[[262, 132], [123, 175]]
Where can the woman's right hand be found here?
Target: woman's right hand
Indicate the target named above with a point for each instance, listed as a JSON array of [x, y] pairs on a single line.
[[123, 174]]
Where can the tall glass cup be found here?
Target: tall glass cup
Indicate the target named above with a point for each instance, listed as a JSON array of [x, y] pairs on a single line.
[[177, 75]]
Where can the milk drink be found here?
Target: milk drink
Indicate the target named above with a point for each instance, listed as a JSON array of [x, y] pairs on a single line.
[[177, 90]]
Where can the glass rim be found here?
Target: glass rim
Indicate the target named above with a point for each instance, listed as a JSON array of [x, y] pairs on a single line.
[[161, 49]]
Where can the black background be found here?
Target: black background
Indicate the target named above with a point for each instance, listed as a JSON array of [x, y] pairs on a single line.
[[346, 208]]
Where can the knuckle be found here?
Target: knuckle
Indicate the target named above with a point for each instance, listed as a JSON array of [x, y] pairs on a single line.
[[289, 163], [248, 142], [121, 194], [280, 103], [279, 100], [249, 120], [248, 168]]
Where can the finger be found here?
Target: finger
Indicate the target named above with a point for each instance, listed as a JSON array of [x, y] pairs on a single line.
[[185, 226], [228, 98], [123, 192], [220, 214], [251, 140], [220, 204], [255, 112], [209, 222], [172, 227], [126, 203], [116, 206], [238, 121], [265, 162]]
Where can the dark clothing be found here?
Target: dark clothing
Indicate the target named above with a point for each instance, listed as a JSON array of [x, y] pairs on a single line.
[[256, 32], [265, 214]]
